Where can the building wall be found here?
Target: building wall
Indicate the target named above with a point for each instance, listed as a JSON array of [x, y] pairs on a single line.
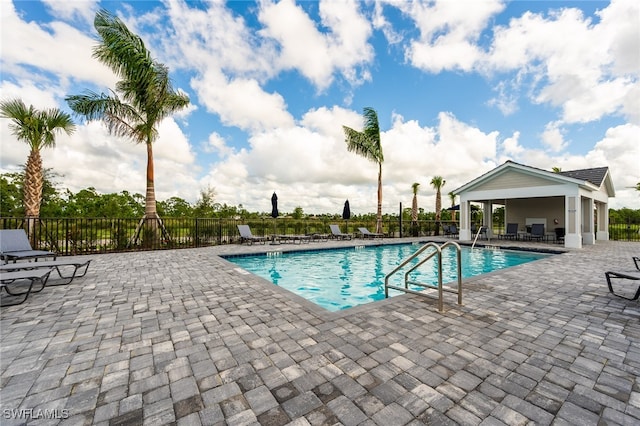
[[550, 208]]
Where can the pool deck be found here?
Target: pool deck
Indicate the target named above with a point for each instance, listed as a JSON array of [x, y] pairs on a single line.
[[184, 337]]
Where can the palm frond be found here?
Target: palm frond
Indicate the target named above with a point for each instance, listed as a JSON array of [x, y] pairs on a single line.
[[359, 143]]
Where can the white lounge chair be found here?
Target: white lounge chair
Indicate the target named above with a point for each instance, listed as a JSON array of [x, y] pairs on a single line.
[[246, 235]]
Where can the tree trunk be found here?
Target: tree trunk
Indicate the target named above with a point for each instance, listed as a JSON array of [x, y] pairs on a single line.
[[150, 211], [438, 210], [379, 211], [33, 185]]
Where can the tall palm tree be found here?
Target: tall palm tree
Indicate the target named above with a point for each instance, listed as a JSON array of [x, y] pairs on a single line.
[[38, 129], [368, 144], [437, 183], [452, 198], [142, 98], [414, 203], [414, 208]]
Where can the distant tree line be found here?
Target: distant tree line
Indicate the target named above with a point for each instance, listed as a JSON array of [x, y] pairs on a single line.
[[88, 202]]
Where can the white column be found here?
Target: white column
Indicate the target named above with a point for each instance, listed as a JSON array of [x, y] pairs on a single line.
[[573, 219], [465, 221], [487, 218], [588, 236], [602, 233]]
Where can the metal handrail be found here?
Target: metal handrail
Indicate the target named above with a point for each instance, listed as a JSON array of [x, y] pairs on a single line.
[[439, 286], [476, 238]]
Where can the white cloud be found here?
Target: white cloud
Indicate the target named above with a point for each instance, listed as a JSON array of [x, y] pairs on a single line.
[[68, 10], [449, 32], [553, 137], [317, 55], [49, 49], [588, 69]]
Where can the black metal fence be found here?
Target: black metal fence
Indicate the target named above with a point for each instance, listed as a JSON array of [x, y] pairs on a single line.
[[75, 236]]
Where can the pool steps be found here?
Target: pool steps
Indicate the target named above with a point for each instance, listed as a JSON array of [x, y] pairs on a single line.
[[438, 254]]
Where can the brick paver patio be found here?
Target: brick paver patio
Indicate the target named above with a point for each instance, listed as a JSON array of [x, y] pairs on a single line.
[[185, 337]]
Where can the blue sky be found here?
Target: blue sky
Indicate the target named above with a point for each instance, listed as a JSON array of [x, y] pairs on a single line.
[[459, 87]]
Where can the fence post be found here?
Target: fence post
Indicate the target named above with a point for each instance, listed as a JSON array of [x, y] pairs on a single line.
[[400, 220]]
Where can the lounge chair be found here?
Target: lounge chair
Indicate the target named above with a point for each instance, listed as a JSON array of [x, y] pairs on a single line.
[[14, 245], [450, 231], [32, 276], [62, 267], [337, 233], [537, 232], [474, 231], [633, 275], [511, 232], [364, 232], [294, 238], [246, 235]]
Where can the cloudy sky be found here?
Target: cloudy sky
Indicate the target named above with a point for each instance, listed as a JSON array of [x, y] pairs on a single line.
[[459, 87]]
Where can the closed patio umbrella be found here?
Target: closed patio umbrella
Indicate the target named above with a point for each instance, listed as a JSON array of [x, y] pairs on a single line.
[[346, 211], [346, 214], [274, 205], [274, 214]]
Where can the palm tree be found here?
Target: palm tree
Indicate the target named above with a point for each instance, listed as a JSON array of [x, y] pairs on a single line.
[[142, 98], [38, 129], [452, 198], [556, 169], [437, 183], [367, 144], [414, 208]]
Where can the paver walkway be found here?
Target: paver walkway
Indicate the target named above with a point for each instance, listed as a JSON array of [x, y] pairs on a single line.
[[185, 337]]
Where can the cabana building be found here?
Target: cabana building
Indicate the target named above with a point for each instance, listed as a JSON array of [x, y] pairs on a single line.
[[572, 204]]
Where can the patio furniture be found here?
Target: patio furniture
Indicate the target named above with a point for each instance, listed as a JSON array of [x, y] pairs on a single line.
[[559, 235], [364, 232], [633, 275], [451, 231], [537, 232], [319, 237], [14, 245], [15, 278], [246, 235], [474, 231], [337, 233], [511, 232], [294, 238], [63, 268]]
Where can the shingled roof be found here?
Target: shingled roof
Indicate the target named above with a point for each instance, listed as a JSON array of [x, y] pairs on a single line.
[[595, 176]]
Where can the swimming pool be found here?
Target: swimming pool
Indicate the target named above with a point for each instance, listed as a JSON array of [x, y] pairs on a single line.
[[337, 279]]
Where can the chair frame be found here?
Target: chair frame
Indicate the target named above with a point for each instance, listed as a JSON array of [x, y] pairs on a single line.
[[34, 276], [58, 265]]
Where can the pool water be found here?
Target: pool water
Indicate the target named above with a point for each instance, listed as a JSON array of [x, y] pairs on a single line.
[[337, 279]]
